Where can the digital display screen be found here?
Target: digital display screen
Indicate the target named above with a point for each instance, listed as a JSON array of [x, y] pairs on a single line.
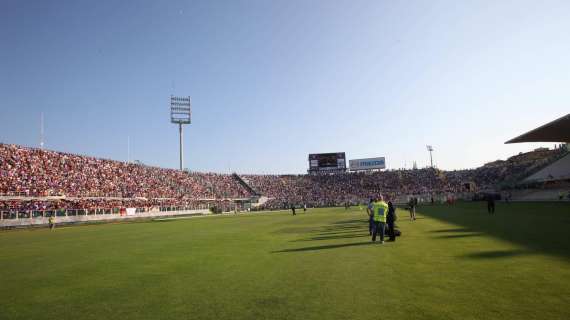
[[327, 161]]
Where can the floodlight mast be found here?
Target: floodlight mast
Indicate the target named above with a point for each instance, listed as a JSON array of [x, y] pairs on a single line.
[[181, 151], [430, 149], [180, 113]]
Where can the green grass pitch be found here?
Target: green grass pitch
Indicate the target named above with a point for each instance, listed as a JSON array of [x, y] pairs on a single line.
[[452, 263]]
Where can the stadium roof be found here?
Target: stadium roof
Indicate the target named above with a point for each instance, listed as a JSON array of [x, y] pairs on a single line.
[[555, 131]]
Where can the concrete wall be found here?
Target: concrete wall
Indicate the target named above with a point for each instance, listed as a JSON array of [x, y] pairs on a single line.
[[539, 195], [29, 222]]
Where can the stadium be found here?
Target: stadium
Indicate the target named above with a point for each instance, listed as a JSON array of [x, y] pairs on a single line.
[[173, 264], [339, 229], [38, 184]]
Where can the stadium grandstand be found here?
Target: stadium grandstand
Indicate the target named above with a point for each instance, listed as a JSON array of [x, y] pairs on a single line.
[[551, 179], [558, 170], [555, 131], [38, 183]]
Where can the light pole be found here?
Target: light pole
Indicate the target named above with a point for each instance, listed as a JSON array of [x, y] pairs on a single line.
[[128, 149], [180, 113], [42, 131], [430, 149]]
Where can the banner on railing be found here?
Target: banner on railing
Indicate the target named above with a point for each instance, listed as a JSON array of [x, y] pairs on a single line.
[[131, 211]]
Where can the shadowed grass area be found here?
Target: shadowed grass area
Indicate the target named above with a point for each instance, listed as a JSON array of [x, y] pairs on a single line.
[[453, 263], [539, 227]]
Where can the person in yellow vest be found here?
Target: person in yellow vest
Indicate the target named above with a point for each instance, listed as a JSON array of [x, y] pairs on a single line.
[[379, 213]]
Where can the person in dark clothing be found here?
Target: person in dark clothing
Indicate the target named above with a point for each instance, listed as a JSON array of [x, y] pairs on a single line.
[[293, 209], [370, 217], [412, 207], [390, 220], [490, 204], [507, 197]]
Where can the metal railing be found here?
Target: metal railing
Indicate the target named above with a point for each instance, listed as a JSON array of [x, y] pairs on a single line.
[[36, 214]]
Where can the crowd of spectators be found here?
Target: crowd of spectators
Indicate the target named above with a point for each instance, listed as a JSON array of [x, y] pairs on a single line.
[[39, 173], [81, 182], [34, 172], [338, 189]]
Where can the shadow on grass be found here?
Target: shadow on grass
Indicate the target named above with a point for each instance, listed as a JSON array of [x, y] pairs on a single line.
[[327, 230], [538, 227], [348, 222], [339, 235], [338, 229], [344, 229], [325, 247], [346, 236], [456, 236], [497, 254], [453, 230], [355, 229]]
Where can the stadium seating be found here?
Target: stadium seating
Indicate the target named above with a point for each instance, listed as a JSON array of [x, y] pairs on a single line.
[[32, 179], [559, 170], [44, 177]]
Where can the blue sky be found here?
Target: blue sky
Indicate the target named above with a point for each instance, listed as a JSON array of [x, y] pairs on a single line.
[[272, 81]]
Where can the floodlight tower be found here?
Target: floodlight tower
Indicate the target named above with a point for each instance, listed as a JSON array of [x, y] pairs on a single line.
[[180, 113], [430, 149]]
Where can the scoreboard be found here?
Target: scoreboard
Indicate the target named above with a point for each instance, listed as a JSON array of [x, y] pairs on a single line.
[[327, 162]]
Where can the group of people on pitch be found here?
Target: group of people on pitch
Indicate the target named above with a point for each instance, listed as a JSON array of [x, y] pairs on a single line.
[[382, 218]]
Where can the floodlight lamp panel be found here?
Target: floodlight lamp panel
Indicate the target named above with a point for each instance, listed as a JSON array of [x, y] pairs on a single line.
[[180, 110]]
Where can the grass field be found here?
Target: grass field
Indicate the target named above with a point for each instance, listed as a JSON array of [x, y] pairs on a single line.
[[452, 263]]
